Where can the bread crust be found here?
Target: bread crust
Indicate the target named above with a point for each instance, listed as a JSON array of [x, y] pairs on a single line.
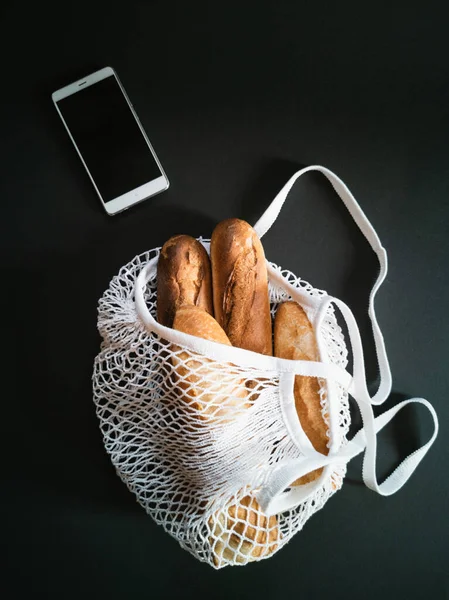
[[294, 339], [183, 277], [240, 286], [211, 393]]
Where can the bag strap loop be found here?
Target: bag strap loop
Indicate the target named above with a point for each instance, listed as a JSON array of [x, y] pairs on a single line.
[[271, 496], [273, 501], [269, 217]]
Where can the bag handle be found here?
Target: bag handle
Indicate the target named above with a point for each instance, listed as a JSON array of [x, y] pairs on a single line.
[[273, 501], [271, 496], [371, 425], [269, 217]]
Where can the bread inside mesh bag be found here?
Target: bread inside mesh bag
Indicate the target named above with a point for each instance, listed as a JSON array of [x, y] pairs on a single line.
[[211, 391], [294, 339], [241, 532]]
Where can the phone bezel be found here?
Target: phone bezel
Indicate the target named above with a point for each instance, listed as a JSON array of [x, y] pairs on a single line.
[[136, 195]]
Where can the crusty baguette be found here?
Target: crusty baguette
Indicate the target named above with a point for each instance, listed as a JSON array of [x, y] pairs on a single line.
[[240, 286], [242, 530], [294, 339], [183, 277], [207, 390]]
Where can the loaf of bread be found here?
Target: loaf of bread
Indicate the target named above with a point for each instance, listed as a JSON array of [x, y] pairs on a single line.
[[240, 286], [183, 277], [294, 339], [242, 532], [213, 393]]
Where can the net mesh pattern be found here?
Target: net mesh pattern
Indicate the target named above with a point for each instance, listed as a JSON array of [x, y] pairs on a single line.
[[194, 439]]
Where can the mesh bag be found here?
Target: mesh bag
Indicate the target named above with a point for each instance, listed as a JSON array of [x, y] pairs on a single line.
[[206, 436]]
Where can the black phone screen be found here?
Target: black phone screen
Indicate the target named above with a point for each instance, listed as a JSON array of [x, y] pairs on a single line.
[[109, 138]]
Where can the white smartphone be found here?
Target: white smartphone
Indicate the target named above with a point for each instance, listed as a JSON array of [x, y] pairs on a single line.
[[110, 140]]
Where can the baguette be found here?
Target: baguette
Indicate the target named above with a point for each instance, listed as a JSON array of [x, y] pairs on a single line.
[[205, 388], [294, 339], [183, 277], [242, 532], [240, 286]]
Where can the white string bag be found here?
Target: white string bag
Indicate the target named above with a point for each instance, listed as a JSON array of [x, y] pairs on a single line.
[[207, 436]]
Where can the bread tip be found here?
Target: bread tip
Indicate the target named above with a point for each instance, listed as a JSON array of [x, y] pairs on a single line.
[[173, 241], [232, 223]]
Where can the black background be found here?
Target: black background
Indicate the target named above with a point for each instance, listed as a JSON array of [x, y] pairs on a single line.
[[235, 98]]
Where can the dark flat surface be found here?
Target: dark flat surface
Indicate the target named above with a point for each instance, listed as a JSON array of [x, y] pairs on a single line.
[[234, 101]]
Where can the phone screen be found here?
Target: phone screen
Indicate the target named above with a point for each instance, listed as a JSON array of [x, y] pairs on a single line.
[[109, 138]]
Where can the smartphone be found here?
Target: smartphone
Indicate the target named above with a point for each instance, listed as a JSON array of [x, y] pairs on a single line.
[[110, 140]]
